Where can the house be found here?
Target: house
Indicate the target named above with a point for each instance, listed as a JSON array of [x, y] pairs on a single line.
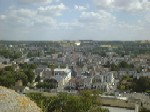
[[142, 74], [39, 71], [80, 82], [43, 72], [47, 73], [87, 83], [72, 83], [103, 81], [4, 60], [62, 76]]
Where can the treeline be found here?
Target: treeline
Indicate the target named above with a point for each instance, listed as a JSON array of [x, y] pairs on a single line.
[[33, 54], [47, 84], [9, 75], [86, 101], [144, 110], [141, 85], [122, 48], [10, 54], [137, 85], [121, 65], [53, 66]]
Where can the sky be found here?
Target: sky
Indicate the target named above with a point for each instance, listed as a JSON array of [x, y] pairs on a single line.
[[74, 19]]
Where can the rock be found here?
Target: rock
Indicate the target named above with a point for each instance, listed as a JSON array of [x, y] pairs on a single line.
[[10, 101]]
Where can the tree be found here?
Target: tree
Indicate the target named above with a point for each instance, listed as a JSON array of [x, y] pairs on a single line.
[[142, 84], [38, 78], [31, 75], [9, 68], [26, 66], [121, 87], [21, 76], [10, 54], [123, 64], [99, 109], [144, 110], [33, 66], [23, 66], [52, 66], [48, 84], [114, 67], [7, 79], [64, 102]]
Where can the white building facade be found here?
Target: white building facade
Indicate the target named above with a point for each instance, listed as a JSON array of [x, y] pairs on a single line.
[[103, 81], [62, 76]]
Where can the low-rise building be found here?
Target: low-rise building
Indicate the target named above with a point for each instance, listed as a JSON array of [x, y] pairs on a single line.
[[103, 81], [62, 76]]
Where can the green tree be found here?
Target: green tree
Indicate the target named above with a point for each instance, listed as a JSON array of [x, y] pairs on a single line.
[[99, 109], [144, 110], [38, 78], [64, 102], [114, 67], [31, 75], [21, 76], [142, 84], [7, 79], [11, 54], [47, 84], [9, 68], [123, 64], [33, 66]]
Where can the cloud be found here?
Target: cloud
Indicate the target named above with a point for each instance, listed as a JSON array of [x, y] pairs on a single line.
[[53, 20], [147, 18], [129, 5], [52, 9], [79, 8], [103, 25], [33, 1], [26, 18], [30, 17], [126, 5], [2, 17], [103, 3], [20, 17], [100, 18]]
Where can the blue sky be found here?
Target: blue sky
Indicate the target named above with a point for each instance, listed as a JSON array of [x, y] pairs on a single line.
[[74, 19]]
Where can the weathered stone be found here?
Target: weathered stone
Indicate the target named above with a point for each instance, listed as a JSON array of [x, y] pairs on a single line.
[[10, 101]]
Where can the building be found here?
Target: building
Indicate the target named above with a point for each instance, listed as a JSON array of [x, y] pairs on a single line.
[[103, 81], [62, 76]]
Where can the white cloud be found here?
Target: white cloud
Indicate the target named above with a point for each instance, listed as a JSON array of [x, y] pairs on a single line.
[[26, 18], [31, 17], [52, 9], [21, 17], [97, 17], [2, 17], [147, 18], [33, 1], [103, 3], [127, 5], [29, 21], [94, 21], [79, 7]]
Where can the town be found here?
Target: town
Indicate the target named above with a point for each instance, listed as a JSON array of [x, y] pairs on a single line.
[[119, 69]]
